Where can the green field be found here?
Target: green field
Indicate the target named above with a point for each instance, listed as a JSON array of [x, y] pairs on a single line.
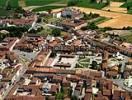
[[42, 2], [46, 8], [83, 63], [12, 3]]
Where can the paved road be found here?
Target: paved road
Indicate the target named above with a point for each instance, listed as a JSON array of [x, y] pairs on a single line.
[[24, 69], [24, 59], [30, 8], [120, 83], [26, 55]]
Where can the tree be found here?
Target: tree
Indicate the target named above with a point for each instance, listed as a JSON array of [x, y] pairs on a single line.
[[74, 98], [85, 84], [59, 96], [70, 92], [49, 11], [93, 1], [19, 10], [108, 2], [94, 65], [56, 32], [92, 26], [72, 2], [8, 7], [128, 8]]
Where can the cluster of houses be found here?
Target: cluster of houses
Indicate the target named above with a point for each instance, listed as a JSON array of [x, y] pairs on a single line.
[[42, 83], [52, 74], [10, 66]]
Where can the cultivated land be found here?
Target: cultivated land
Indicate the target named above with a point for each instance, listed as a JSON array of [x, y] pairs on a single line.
[[119, 20], [115, 6]]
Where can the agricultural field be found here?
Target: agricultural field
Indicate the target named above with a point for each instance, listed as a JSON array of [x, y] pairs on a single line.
[[117, 20], [115, 7]]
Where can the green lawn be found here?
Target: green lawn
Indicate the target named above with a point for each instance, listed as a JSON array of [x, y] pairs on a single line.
[[46, 8], [42, 2], [83, 63], [87, 4]]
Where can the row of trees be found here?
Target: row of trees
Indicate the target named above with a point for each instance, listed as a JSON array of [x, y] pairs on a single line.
[[90, 16]]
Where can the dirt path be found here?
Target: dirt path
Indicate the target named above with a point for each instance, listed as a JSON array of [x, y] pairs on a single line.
[[119, 20], [115, 6], [22, 3]]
